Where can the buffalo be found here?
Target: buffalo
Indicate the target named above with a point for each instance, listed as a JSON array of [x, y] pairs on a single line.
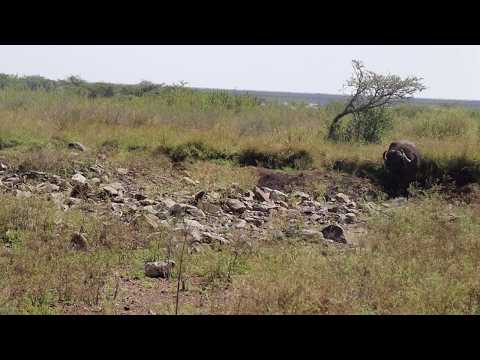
[[401, 161]]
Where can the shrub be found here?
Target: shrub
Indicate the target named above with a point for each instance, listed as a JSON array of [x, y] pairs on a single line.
[[368, 127]]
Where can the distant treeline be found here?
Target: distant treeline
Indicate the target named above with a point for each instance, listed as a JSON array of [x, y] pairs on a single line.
[[168, 93]]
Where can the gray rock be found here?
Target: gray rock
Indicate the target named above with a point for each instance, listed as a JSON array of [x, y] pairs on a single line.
[[110, 190], [210, 237], [265, 208], [276, 195], [301, 195], [147, 202], [168, 203], [77, 146], [236, 205], [342, 198], [152, 220], [254, 220], [189, 181], [95, 181], [122, 171], [260, 194], [240, 224], [71, 201], [194, 224], [177, 209], [79, 179], [149, 209], [159, 269], [350, 218], [194, 211], [335, 233], [281, 203]]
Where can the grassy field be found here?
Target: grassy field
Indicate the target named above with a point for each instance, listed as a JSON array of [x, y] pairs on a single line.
[[421, 258]]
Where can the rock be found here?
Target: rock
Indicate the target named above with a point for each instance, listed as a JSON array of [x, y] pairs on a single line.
[[71, 201], [140, 196], [79, 179], [199, 195], [301, 195], [78, 241], [110, 190], [236, 206], [194, 224], [159, 269], [48, 188], [255, 221], [342, 198], [150, 209], [77, 146], [276, 195], [3, 166], [104, 178], [95, 181], [208, 207], [147, 202], [191, 235], [278, 235], [189, 181], [350, 218], [260, 195], [13, 180], [210, 237], [248, 196], [122, 171], [240, 224], [152, 220], [97, 169], [263, 207], [308, 210], [281, 203], [194, 211], [177, 209], [335, 233]]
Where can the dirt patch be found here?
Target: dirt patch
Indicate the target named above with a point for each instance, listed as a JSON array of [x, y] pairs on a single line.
[[314, 181]]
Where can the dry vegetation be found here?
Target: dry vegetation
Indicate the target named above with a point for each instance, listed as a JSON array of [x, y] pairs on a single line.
[[420, 258]]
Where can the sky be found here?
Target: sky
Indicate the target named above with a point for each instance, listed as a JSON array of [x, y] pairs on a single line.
[[449, 72]]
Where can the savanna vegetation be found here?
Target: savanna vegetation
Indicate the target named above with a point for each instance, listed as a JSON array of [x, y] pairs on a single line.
[[419, 258]]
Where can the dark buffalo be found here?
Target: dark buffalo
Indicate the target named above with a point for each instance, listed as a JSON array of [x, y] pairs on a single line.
[[401, 161]]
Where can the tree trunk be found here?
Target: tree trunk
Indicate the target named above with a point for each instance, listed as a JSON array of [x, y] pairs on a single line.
[[333, 127]]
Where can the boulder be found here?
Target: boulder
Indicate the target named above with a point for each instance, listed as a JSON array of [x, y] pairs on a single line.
[[159, 269], [78, 179], [261, 195], [335, 233], [342, 198], [77, 146], [236, 206]]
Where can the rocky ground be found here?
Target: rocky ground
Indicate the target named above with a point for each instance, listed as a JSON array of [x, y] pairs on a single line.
[[287, 208]]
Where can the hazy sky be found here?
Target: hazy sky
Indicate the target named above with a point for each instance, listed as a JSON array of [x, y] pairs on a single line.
[[449, 71]]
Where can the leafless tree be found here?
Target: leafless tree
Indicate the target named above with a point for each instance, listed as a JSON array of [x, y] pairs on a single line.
[[369, 90]]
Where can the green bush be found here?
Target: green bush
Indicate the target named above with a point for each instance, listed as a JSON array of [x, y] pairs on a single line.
[[368, 126]]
